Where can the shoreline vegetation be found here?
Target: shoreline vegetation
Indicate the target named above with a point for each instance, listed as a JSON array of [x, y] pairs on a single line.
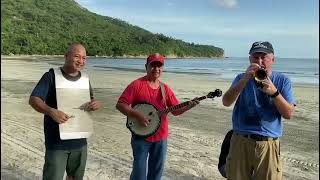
[[18, 56], [105, 57]]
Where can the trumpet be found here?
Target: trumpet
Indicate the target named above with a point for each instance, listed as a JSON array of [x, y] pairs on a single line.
[[260, 75]]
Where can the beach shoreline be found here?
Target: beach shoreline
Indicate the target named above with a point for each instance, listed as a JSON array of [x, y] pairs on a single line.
[[195, 137], [60, 58]]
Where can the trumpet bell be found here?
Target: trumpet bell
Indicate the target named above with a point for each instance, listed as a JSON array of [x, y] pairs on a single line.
[[260, 74]]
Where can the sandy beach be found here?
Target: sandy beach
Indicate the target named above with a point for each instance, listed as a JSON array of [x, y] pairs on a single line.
[[194, 141]]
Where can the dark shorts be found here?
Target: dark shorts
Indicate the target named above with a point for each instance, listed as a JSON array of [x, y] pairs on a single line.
[[59, 161]]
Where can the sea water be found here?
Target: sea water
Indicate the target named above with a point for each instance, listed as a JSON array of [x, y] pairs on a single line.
[[305, 71]]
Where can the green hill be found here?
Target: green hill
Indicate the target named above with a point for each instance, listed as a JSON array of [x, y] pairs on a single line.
[[47, 27]]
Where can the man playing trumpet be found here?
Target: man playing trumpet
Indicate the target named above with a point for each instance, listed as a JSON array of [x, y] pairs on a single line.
[[261, 102]]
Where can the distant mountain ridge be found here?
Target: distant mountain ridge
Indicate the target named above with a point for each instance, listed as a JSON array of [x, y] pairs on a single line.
[[47, 27]]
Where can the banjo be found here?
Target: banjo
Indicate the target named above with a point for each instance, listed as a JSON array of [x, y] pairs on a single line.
[[154, 116]]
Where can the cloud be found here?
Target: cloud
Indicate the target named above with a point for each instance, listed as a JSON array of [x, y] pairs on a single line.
[[227, 3], [223, 26]]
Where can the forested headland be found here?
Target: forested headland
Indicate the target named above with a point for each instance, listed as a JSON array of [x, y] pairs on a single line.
[[47, 27]]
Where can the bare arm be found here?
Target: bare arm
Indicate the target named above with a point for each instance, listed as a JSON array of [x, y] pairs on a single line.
[[233, 92], [285, 109], [39, 105], [231, 95]]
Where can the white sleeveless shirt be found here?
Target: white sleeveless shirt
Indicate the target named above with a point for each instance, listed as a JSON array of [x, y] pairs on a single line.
[[71, 95]]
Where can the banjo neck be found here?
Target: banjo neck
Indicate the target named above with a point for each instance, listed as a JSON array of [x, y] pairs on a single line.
[[179, 106]]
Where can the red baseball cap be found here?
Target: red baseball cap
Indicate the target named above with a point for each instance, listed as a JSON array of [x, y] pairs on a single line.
[[155, 57]]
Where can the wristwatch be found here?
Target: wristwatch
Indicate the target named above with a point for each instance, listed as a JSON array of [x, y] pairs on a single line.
[[275, 94]]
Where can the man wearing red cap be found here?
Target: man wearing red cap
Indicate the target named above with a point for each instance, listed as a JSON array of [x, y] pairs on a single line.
[[147, 89]]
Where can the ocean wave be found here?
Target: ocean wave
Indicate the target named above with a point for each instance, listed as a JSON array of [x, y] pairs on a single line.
[[143, 70], [121, 68], [191, 69]]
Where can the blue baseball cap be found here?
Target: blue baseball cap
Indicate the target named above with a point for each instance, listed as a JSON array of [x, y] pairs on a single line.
[[261, 46]]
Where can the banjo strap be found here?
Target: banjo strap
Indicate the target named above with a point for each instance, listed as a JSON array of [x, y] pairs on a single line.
[[163, 92]]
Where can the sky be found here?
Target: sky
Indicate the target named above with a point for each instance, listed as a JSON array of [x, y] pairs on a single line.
[[292, 26]]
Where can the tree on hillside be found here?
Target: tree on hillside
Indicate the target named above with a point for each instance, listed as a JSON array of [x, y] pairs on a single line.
[[49, 26]]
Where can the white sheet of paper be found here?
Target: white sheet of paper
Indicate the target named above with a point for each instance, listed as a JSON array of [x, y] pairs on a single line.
[[80, 124]]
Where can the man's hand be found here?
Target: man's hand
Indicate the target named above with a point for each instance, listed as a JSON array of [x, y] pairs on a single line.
[[251, 70], [268, 86], [58, 116], [93, 105], [143, 120]]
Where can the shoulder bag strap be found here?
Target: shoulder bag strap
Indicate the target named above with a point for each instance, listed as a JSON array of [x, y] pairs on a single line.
[[163, 92]]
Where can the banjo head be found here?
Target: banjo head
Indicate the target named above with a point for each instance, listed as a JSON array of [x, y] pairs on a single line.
[[151, 113]]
